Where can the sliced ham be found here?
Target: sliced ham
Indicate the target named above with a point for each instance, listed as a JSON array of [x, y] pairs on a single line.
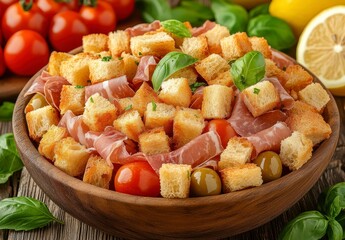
[[197, 98], [281, 60], [140, 29], [208, 25], [285, 98], [145, 70]]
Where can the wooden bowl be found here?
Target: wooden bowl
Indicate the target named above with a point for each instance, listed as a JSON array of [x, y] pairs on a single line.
[[156, 218]]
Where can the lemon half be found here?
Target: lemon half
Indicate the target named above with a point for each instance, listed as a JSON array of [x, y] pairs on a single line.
[[321, 48]]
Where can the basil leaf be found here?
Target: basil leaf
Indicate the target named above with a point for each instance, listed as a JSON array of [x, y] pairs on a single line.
[[169, 64], [24, 213], [308, 225], [334, 230], [232, 16], [10, 161], [276, 31], [154, 10], [248, 70], [176, 27], [196, 85], [341, 220], [335, 200], [259, 10], [6, 111]]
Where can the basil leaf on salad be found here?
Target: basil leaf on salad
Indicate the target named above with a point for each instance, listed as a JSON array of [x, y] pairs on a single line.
[[335, 230], [176, 27], [196, 85], [24, 213], [248, 70], [168, 65], [6, 111], [10, 161]]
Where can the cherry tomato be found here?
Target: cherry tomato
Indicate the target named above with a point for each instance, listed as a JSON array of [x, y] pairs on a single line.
[[137, 178], [16, 18], [51, 7], [4, 4], [2, 62], [122, 8], [100, 18], [66, 31], [26, 52], [223, 128]]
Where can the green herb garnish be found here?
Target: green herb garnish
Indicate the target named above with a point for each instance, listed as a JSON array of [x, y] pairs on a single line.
[[78, 86], [140, 54], [6, 111], [154, 106], [136, 62], [176, 27], [129, 107], [256, 90], [91, 100], [120, 58], [195, 86], [107, 58]]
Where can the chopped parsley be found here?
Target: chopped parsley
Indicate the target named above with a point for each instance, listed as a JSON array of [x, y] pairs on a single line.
[[120, 58], [91, 100], [195, 85], [106, 58], [78, 86], [256, 91], [140, 54], [154, 106], [137, 63], [129, 107]]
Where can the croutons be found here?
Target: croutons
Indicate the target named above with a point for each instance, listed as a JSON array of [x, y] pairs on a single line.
[[272, 70], [176, 91], [125, 104], [175, 180], [187, 72], [154, 141], [214, 36], [162, 115], [40, 120], [144, 95], [70, 156], [105, 69], [223, 78], [99, 113], [295, 150], [156, 44], [130, 123], [260, 44], [118, 43], [95, 43], [238, 151], [240, 177], [97, 172], [188, 124], [195, 46], [314, 95], [72, 98], [235, 46], [261, 97], [297, 78], [55, 60], [130, 65], [216, 101], [49, 140], [210, 67]]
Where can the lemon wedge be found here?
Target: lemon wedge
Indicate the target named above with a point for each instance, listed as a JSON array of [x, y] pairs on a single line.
[[321, 48]]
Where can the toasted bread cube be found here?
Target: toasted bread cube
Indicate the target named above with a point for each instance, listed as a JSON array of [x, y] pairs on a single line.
[[297, 78], [55, 60], [188, 72], [300, 107], [99, 113], [272, 70], [98, 172], [235, 46], [196, 47], [175, 180], [237, 152], [314, 94], [188, 124], [260, 44], [216, 101], [214, 36], [95, 43], [162, 115], [176, 91], [125, 104], [223, 78], [240, 177], [130, 123], [295, 150], [49, 140], [118, 43], [40, 120], [130, 64], [72, 98], [210, 67], [70, 156], [154, 141], [104, 69], [261, 97], [156, 44], [144, 95]]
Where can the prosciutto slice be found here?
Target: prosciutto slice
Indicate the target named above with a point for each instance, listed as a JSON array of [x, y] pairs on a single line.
[[140, 29], [208, 25], [280, 60], [145, 70], [285, 98], [111, 89]]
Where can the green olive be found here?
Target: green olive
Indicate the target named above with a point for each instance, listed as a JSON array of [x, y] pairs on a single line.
[[205, 182], [270, 164], [37, 101]]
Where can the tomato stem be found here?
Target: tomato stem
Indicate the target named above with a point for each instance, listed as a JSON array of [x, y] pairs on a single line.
[[26, 4], [91, 3]]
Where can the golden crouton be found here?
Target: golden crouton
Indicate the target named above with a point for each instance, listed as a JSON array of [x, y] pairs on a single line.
[[70, 156], [105, 68], [235, 46], [224, 78], [95, 43], [99, 113], [130, 123], [154, 141], [216, 101], [125, 104], [187, 72], [261, 97], [272, 70], [130, 64], [97, 172], [210, 67], [72, 98], [314, 94], [49, 140], [188, 124], [196, 47], [214, 36], [156, 44], [297, 78], [160, 115], [176, 91], [260, 44], [40, 120], [240, 177], [144, 95], [295, 150], [175, 180], [118, 43], [55, 60]]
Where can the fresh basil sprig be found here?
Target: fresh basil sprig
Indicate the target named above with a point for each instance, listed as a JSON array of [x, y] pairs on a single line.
[[24, 213], [176, 27], [248, 70], [169, 64], [6, 111], [154, 10], [259, 10], [10, 161]]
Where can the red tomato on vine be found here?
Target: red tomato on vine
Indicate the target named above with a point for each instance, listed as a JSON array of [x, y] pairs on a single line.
[[123, 8], [52, 7], [4, 4]]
